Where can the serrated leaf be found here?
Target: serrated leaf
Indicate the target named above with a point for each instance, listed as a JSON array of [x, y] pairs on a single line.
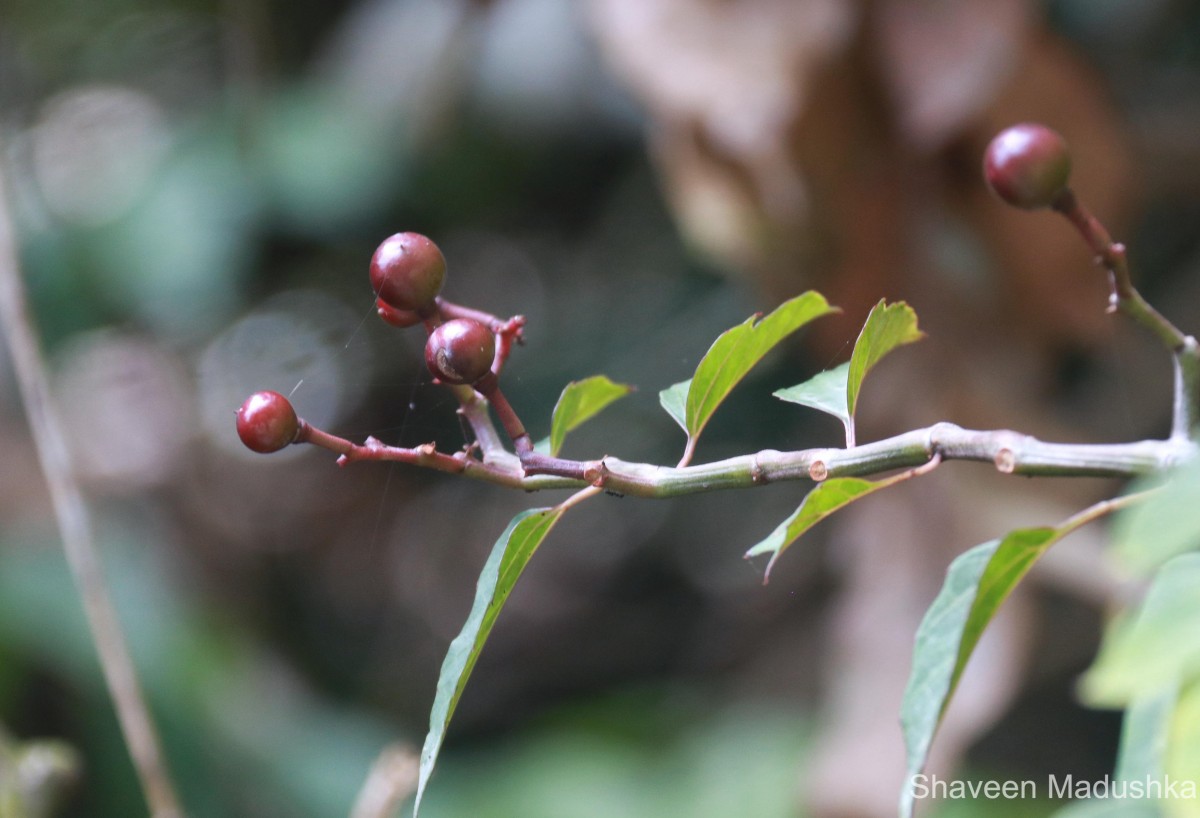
[[977, 583], [887, 327], [674, 400], [1155, 645], [825, 392], [504, 565], [1165, 525], [579, 402], [829, 496], [737, 350]]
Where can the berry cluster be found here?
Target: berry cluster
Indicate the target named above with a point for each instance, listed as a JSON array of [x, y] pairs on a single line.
[[465, 347]]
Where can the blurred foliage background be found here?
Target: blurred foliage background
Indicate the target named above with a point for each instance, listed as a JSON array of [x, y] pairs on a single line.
[[198, 187]]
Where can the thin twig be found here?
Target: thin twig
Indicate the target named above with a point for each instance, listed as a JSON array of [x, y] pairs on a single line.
[[1123, 296], [71, 511]]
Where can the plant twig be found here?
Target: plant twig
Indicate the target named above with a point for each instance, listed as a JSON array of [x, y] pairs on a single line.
[[1126, 298], [71, 511], [1009, 452]]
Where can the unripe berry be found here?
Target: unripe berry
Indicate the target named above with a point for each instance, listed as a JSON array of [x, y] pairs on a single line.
[[267, 422], [407, 271], [395, 317], [1027, 165], [460, 351]]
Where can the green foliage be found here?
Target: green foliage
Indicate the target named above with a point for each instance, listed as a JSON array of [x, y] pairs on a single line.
[[504, 565], [641, 754], [818, 504], [674, 401], [887, 327], [1141, 758], [733, 355], [1156, 645], [580, 401], [836, 390], [1143, 736], [1166, 525], [825, 392], [1181, 739], [235, 739], [977, 583]]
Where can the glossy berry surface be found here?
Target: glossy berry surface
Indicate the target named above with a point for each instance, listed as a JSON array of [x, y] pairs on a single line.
[[267, 422], [1027, 165], [460, 351], [407, 272], [395, 317]]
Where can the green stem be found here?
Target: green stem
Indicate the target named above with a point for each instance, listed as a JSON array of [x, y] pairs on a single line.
[[1009, 452], [1186, 412], [1125, 297]]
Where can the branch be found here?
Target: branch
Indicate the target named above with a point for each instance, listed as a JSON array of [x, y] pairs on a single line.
[[75, 526], [1009, 452], [1125, 298]]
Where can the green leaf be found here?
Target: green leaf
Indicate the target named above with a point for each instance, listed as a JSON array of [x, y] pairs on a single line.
[[674, 400], [1110, 808], [977, 583], [825, 392], [1182, 757], [826, 498], [737, 350], [504, 565], [580, 401], [1141, 757], [1165, 525], [1155, 646], [887, 327], [1144, 733]]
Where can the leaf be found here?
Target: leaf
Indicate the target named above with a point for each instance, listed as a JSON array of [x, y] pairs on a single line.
[[1166, 525], [977, 583], [1156, 645], [1144, 733], [1141, 758], [580, 401], [825, 392], [826, 498], [1110, 808], [504, 565], [887, 327], [674, 400], [736, 352], [1182, 758]]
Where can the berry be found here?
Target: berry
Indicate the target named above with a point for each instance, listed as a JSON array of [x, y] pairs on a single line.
[[395, 317], [407, 271], [267, 422], [460, 351], [1027, 166]]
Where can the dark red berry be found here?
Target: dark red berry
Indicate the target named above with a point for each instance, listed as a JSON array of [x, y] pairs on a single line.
[[267, 422], [407, 271], [395, 317], [460, 351], [1027, 165]]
